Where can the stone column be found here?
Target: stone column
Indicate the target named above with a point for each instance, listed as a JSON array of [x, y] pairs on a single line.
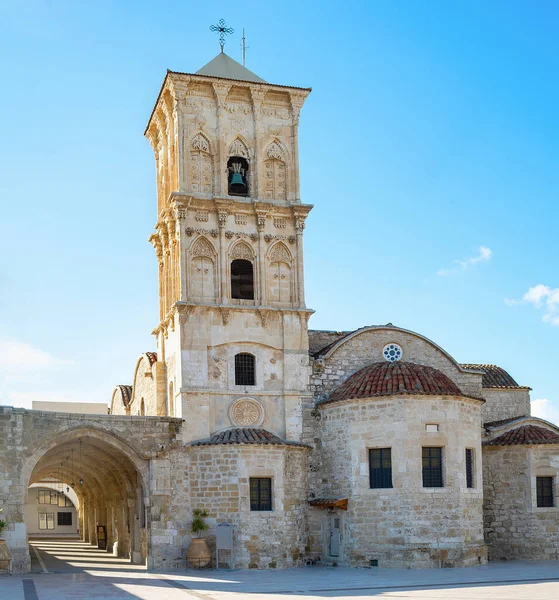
[[222, 221], [261, 225], [257, 98], [299, 226], [221, 90]]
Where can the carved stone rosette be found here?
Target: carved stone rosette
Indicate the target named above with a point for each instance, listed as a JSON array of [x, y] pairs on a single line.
[[246, 412]]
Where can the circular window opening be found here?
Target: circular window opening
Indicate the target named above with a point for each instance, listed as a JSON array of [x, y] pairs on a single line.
[[392, 352]]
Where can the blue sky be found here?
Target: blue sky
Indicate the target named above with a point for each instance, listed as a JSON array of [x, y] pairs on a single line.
[[429, 147]]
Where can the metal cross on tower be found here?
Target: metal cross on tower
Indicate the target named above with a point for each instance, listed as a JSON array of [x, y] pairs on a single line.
[[222, 29]]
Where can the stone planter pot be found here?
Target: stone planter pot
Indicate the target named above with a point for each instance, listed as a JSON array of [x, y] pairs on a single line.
[[198, 554], [5, 556]]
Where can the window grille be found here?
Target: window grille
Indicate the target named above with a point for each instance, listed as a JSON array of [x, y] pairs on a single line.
[[260, 493], [432, 467], [544, 489], [245, 369], [380, 468], [469, 468], [64, 518], [242, 280]]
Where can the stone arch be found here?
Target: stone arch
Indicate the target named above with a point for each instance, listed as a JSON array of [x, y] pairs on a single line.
[[275, 172], [201, 164], [280, 274], [241, 250], [109, 475], [239, 147], [202, 281]]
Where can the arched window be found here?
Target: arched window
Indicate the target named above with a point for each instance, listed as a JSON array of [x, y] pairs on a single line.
[[237, 169], [245, 369], [242, 279]]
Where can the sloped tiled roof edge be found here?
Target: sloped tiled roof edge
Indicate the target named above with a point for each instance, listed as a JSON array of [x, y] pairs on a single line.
[[525, 435], [495, 377], [247, 435]]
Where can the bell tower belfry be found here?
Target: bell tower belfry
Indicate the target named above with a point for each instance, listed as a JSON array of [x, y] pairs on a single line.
[[232, 326]]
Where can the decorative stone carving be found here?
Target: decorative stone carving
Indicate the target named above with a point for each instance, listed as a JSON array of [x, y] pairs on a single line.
[[238, 148], [280, 223], [202, 247], [192, 230], [201, 142], [274, 129], [279, 253], [246, 412], [241, 251], [202, 215], [275, 151]]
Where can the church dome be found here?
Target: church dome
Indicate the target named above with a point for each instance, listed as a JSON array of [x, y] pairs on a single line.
[[395, 379]]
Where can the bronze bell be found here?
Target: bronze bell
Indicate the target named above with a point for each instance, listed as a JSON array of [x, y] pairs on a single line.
[[237, 185]]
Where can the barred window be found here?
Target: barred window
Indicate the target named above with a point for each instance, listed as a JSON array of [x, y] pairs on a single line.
[[64, 518], [245, 367], [544, 490], [242, 280], [432, 467], [260, 493], [380, 467], [469, 468]]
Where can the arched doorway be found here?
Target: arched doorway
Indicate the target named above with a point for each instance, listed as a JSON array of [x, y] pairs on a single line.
[[109, 481]]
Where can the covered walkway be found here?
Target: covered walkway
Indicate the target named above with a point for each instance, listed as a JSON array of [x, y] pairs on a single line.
[[71, 555]]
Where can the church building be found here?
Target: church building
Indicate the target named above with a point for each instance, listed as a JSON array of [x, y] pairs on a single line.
[[371, 447], [365, 448]]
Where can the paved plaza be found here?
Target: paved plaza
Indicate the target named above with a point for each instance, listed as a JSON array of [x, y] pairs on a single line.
[[68, 569]]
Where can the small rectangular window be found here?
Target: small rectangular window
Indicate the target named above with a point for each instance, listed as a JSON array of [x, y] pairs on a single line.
[[41, 497], [469, 468], [46, 520], [432, 467], [544, 489], [260, 493], [245, 367], [380, 468], [432, 427], [64, 518]]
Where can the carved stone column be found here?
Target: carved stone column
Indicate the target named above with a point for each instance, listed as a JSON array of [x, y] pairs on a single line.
[[221, 90], [257, 98], [299, 227], [261, 225], [222, 222], [182, 261], [297, 101]]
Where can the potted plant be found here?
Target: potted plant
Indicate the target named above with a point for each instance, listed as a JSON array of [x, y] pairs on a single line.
[[198, 554], [5, 556]]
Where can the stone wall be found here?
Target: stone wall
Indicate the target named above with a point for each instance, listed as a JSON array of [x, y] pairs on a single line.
[[504, 403], [219, 481], [515, 528], [365, 347], [408, 525]]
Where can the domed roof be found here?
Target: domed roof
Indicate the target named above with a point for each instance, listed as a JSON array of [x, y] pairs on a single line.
[[395, 378]]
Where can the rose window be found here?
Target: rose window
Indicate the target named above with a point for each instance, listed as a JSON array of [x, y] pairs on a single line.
[[392, 352]]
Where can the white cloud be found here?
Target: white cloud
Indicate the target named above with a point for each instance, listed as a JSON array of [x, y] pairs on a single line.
[[18, 356], [545, 409], [484, 255], [541, 297]]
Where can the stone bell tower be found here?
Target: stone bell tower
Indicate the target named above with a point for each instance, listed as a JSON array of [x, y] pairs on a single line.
[[232, 326]]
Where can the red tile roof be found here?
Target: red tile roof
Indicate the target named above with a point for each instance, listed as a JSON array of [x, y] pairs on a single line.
[[246, 435], [495, 377], [152, 357], [493, 424], [395, 378], [126, 394], [525, 435]]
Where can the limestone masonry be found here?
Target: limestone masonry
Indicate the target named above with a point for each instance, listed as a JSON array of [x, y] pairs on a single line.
[[361, 448]]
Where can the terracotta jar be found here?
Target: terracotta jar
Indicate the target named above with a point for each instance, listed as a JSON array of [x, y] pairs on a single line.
[[198, 554]]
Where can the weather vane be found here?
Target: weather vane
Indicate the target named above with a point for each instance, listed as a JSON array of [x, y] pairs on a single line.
[[223, 30]]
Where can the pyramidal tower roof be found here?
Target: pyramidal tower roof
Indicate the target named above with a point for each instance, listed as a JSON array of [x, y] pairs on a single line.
[[226, 67]]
